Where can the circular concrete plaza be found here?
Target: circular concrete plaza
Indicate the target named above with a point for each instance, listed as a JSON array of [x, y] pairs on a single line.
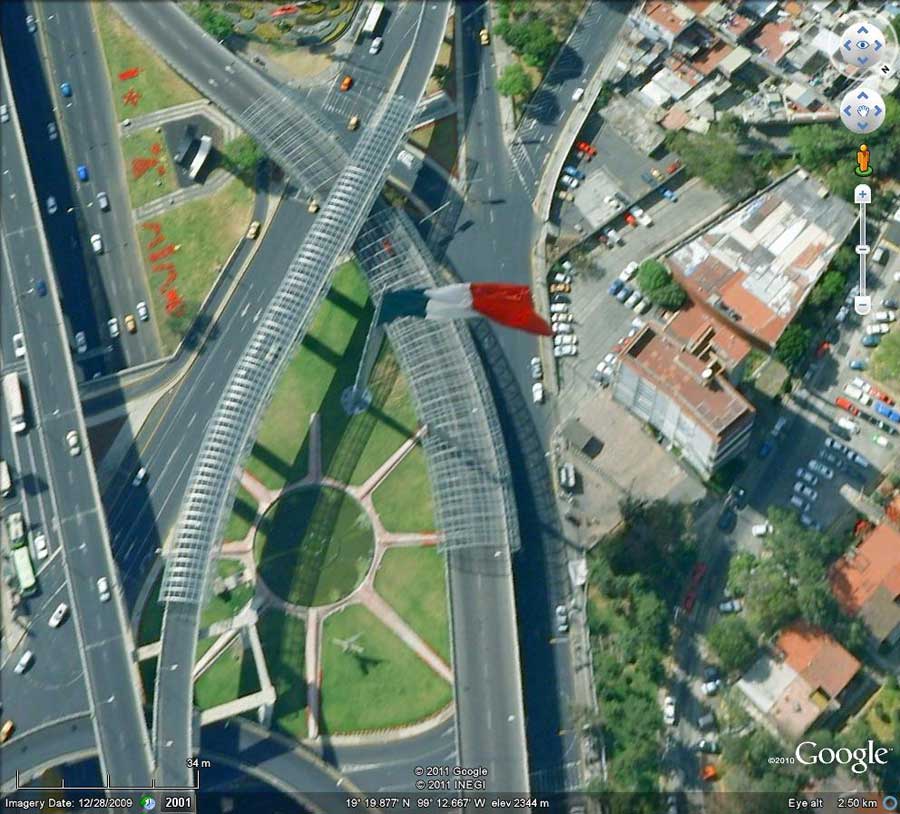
[[314, 545]]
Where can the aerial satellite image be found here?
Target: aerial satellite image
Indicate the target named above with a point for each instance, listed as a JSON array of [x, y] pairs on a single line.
[[443, 405]]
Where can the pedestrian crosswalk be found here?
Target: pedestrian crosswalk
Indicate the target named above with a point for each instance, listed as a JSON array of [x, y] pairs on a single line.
[[360, 100]]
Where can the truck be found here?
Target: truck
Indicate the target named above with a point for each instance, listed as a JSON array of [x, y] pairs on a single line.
[[15, 527], [12, 394], [374, 17]]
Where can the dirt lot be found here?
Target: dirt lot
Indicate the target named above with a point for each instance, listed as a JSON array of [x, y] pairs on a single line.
[[631, 461]]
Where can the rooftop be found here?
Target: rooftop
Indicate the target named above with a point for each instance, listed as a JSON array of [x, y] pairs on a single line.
[[818, 658], [672, 18], [757, 266], [709, 59], [710, 399], [866, 581], [776, 39], [692, 326]]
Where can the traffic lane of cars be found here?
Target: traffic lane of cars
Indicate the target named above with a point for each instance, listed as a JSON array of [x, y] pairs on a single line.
[[103, 200]]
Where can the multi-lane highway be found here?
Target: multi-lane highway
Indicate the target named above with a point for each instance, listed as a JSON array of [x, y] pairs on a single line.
[[71, 517]]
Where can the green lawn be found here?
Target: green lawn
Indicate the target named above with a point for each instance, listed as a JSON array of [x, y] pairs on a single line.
[[412, 581], [314, 546], [886, 361], [403, 501], [203, 645], [385, 685], [227, 567], [225, 605], [150, 625], [283, 640], [156, 84], [242, 516], [320, 370], [393, 411], [232, 675], [147, 183], [883, 710], [205, 240]]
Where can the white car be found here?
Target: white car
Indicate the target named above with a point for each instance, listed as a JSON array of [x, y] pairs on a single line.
[[669, 712], [614, 236], [565, 350], [641, 216], [642, 307], [19, 345], [568, 181], [103, 589], [731, 606], [615, 203], [629, 271], [41, 551], [537, 369], [59, 614], [97, 243], [877, 328], [761, 529], [633, 300], [820, 469], [809, 493], [577, 94], [51, 205], [139, 477], [4, 114], [559, 308], [537, 393], [561, 318], [565, 339], [559, 277], [842, 313], [24, 663], [406, 159], [52, 133], [80, 342], [30, 24], [601, 373], [142, 311], [103, 201], [375, 47], [862, 384], [562, 619], [73, 443], [563, 328], [886, 316], [113, 325], [802, 474]]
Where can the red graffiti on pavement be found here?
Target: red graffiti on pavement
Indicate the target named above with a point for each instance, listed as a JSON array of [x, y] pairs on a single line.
[[131, 97], [130, 73], [173, 303]]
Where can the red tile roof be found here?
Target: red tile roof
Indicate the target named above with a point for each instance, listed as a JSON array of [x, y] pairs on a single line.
[[776, 39], [664, 16], [817, 657], [875, 563], [691, 322], [707, 61]]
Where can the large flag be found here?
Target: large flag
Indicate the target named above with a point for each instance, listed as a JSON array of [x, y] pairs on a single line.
[[509, 305]]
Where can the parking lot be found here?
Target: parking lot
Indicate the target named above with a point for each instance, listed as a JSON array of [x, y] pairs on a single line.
[[599, 319]]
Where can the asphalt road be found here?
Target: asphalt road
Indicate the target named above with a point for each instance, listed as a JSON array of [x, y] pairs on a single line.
[[53, 177], [74, 519], [90, 135]]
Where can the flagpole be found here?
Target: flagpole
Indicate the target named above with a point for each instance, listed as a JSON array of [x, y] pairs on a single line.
[[357, 398]]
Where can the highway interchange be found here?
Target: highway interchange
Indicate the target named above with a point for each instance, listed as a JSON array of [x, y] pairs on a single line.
[[138, 518]]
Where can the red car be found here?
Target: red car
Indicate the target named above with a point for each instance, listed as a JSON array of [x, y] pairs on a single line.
[[603, 239], [881, 396], [822, 349], [673, 167], [586, 148], [388, 246], [689, 599], [630, 219], [846, 404], [698, 573]]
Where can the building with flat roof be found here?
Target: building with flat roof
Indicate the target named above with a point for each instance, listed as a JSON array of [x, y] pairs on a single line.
[[685, 398], [755, 268], [805, 677], [866, 583]]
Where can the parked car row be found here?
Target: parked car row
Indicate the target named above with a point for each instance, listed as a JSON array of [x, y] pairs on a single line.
[[565, 338]]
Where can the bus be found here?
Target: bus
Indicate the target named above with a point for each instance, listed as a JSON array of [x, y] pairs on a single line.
[[12, 393], [24, 571], [374, 16]]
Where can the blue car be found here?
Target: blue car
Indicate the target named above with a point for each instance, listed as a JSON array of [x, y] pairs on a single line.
[[575, 173], [615, 287], [857, 364], [65, 89], [82, 173], [41, 287], [765, 448], [669, 195], [624, 293], [871, 341], [881, 408], [894, 416]]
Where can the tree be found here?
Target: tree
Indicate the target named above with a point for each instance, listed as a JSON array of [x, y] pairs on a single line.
[[740, 573], [792, 346], [441, 74], [717, 159], [733, 643], [657, 285], [515, 82], [241, 156], [829, 289], [771, 600], [219, 25]]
